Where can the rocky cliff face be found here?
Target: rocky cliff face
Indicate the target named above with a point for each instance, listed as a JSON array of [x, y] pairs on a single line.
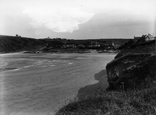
[[133, 68]]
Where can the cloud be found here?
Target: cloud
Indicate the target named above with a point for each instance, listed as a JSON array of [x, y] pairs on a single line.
[[57, 19]]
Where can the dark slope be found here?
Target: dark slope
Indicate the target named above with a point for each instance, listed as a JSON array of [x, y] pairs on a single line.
[[134, 67], [16, 44]]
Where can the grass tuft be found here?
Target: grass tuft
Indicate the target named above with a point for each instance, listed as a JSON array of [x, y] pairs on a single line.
[[141, 102]]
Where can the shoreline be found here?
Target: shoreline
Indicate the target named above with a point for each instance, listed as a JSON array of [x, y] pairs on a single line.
[[94, 90], [13, 53], [89, 54], [87, 51]]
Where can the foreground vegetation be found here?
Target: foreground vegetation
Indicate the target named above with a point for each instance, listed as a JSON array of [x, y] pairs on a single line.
[[142, 102]]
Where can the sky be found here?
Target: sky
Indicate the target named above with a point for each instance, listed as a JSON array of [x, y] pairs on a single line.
[[78, 19]]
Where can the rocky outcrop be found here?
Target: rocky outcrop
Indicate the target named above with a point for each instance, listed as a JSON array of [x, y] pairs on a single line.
[[133, 68]]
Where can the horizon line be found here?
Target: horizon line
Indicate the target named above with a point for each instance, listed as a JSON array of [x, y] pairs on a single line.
[[69, 38]]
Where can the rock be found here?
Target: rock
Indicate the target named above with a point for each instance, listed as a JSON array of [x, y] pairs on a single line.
[[133, 68]]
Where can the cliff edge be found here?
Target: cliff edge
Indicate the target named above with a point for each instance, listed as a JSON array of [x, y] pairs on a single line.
[[134, 67]]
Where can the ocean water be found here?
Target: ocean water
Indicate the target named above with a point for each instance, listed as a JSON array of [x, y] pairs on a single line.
[[39, 84]]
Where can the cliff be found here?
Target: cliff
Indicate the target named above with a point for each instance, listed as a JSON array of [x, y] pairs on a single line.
[[133, 67]]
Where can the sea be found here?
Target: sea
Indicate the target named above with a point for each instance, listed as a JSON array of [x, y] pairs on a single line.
[[40, 84]]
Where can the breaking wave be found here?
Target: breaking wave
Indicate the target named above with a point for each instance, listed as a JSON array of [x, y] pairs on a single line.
[[20, 64]]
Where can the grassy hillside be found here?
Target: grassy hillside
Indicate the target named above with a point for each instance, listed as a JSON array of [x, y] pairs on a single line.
[[141, 102], [18, 43], [15, 44]]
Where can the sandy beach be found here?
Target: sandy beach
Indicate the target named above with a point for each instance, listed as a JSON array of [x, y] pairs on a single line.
[[39, 84]]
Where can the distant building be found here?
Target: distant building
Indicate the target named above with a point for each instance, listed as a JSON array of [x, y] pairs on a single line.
[[94, 44], [81, 46], [144, 38], [69, 46], [136, 38], [149, 37], [115, 45]]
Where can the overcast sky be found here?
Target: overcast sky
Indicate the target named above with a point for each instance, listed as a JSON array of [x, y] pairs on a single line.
[[77, 19]]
